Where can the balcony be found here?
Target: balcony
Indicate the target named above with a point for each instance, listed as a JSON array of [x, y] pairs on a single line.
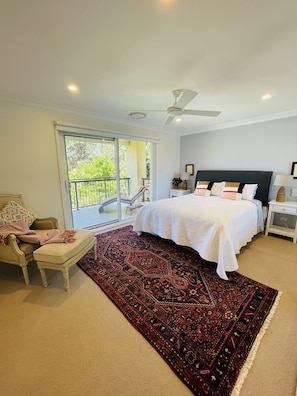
[[87, 194]]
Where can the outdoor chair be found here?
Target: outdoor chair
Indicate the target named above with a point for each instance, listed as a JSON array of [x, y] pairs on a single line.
[[129, 200]]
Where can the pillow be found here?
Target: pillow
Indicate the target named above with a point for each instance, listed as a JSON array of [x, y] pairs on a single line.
[[202, 189], [232, 191], [217, 188], [12, 212], [249, 191]]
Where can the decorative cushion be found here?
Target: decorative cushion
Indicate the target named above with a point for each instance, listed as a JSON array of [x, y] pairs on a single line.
[[202, 188], [12, 212], [217, 188], [232, 190], [249, 191]]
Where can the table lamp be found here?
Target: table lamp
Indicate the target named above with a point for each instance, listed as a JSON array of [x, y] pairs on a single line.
[[282, 181], [185, 177]]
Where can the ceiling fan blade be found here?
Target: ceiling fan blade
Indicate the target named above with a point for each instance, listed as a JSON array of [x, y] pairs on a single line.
[[206, 113], [186, 98], [169, 120]]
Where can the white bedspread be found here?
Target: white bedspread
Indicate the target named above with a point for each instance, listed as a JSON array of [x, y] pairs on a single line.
[[216, 228]]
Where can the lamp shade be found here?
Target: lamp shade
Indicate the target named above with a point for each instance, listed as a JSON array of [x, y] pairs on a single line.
[[283, 180], [185, 176]]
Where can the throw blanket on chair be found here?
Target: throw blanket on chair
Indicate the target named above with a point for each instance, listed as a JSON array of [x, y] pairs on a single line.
[[25, 234]]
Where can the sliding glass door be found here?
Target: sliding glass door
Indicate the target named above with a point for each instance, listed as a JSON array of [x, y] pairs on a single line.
[[102, 176]]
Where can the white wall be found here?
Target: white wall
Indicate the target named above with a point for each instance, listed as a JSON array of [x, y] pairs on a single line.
[[29, 165], [28, 155], [268, 146]]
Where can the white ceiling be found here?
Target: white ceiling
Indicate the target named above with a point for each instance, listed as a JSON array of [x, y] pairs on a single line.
[[130, 54]]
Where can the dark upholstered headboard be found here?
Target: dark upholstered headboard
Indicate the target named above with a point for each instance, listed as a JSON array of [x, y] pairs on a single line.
[[262, 178]]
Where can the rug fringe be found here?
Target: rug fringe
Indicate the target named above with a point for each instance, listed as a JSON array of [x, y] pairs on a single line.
[[251, 356]]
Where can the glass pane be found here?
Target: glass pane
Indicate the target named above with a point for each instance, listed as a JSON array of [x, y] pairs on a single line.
[[92, 180], [134, 166], [105, 178]]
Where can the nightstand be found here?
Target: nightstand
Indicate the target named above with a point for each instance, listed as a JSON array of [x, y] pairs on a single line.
[[174, 192], [285, 225]]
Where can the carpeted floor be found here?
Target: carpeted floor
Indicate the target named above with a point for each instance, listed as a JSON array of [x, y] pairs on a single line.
[[79, 343], [206, 329]]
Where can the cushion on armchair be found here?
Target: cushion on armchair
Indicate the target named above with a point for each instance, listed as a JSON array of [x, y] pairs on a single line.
[[13, 212]]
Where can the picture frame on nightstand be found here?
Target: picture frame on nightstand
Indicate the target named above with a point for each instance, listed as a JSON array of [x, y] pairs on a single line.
[[190, 169]]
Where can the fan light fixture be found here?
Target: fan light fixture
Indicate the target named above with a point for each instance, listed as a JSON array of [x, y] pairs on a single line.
[[181, 99], [137, 115]]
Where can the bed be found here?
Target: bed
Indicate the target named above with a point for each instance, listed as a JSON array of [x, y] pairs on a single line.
[[221, 216]]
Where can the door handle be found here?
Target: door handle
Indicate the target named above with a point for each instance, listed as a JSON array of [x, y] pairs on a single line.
[[67, 185]]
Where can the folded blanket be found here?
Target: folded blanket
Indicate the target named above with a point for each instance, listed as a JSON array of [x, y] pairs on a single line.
[[25, 234], [52, 236], [16, 228]]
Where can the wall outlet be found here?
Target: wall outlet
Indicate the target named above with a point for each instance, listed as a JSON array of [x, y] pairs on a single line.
[[294, 192]]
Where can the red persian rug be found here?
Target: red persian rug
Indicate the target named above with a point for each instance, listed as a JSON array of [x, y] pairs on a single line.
[[206, 329]]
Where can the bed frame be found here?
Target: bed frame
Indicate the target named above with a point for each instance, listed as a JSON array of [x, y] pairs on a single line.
[[262, 178]]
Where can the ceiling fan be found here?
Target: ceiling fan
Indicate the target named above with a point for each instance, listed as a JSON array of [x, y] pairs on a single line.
[[181, 98]]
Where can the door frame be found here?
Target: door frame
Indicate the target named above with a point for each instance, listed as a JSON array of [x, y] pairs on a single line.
[[62, 129]]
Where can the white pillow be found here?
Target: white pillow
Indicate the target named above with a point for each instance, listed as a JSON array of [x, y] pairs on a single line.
[[12, 212], [249, 191], [217, 188]]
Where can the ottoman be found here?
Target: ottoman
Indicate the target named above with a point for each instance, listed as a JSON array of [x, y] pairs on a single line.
[[61, 256]]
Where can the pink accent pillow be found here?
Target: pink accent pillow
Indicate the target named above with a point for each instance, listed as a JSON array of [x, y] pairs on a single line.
[[230, 191], [202, 189]]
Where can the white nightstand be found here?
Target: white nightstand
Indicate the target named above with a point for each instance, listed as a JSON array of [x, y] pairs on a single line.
[[281, 227], [174, 192]]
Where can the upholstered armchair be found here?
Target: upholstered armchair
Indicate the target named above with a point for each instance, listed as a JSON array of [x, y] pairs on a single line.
[[16, 252]]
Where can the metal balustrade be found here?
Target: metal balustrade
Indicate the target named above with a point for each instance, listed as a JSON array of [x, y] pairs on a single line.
[[90, 192]]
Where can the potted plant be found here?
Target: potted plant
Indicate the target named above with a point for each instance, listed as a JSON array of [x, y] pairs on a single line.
[[176, 181]]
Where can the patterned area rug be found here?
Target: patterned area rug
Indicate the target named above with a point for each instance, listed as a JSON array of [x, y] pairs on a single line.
[[206, 329]]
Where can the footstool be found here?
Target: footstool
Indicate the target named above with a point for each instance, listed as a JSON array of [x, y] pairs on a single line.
[[61, 256]]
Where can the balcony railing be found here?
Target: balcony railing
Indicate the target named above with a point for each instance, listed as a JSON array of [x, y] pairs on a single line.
[[90, 192]]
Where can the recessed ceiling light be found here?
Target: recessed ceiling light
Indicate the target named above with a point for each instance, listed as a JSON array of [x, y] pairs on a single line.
[[266, 97], [178, 119], [137, 115], [72, 88]]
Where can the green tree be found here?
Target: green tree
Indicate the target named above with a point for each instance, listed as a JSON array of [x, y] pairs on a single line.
[[78, 151], [99, 167]]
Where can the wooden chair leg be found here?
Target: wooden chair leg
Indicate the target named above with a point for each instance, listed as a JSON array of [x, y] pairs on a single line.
[[26, 275], [43, 277], [66, 279], [95, 251]]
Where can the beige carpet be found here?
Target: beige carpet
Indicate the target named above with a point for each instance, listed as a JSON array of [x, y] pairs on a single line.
[[78, 343]]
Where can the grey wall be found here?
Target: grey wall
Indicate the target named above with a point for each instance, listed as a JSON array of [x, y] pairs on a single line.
[[268, 145]]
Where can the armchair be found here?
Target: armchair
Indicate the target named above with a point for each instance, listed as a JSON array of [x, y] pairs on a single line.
[[21, 253]]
